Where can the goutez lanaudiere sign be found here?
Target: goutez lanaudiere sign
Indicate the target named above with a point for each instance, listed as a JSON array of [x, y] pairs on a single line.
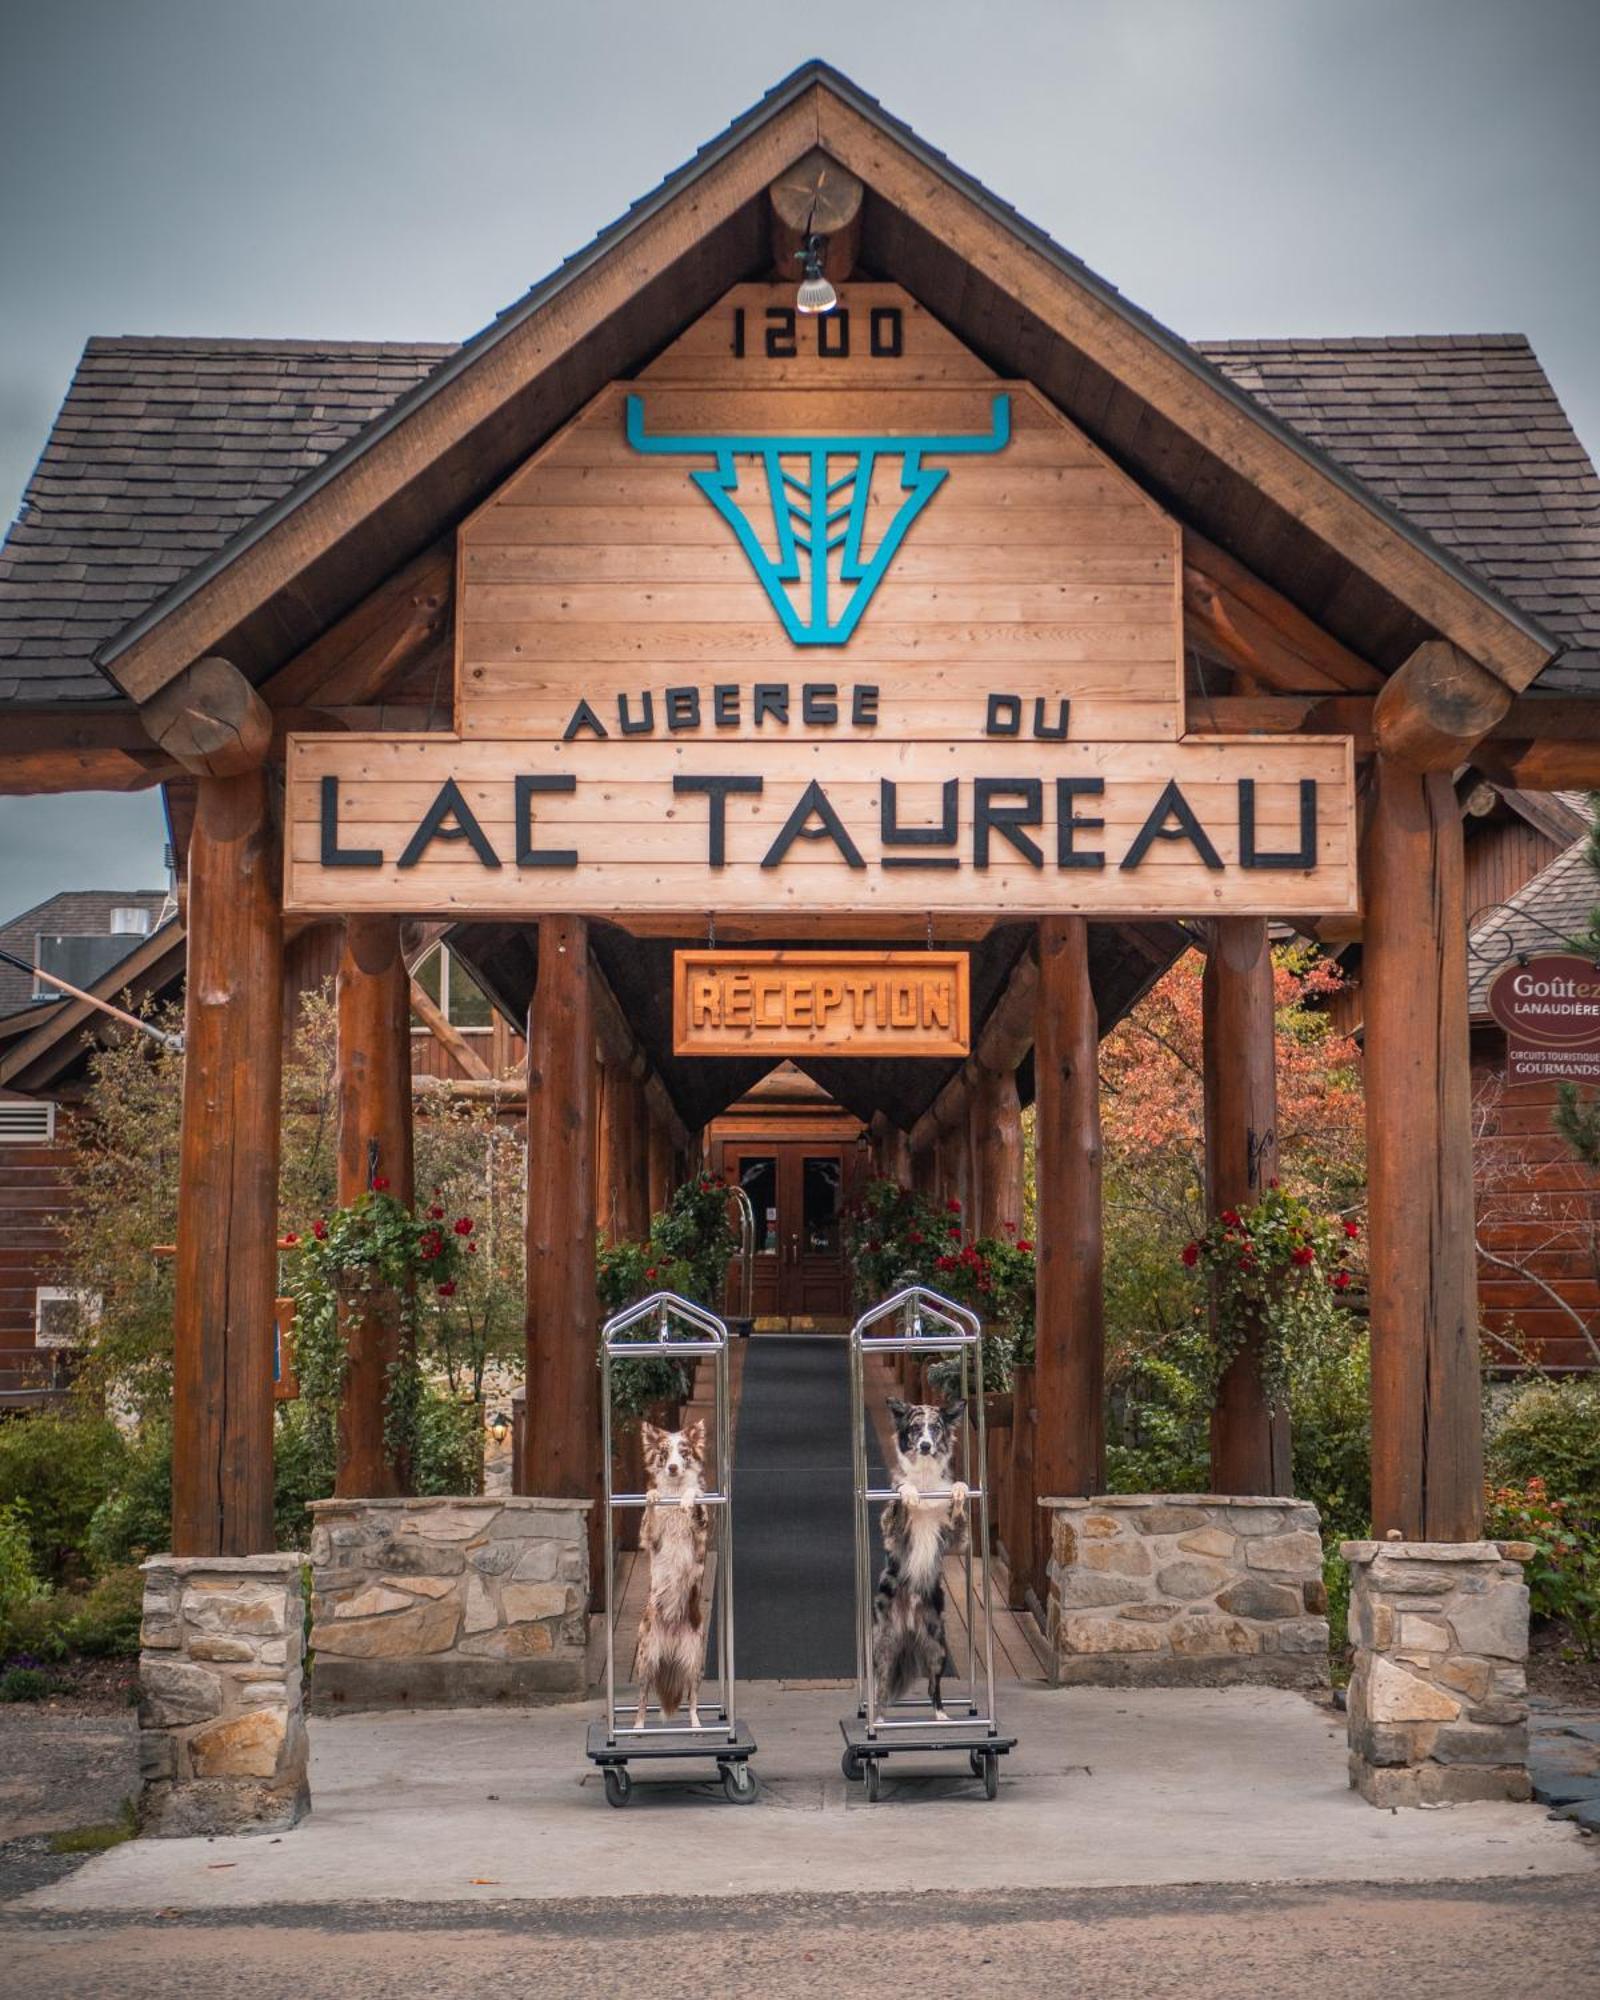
[[819, 624]]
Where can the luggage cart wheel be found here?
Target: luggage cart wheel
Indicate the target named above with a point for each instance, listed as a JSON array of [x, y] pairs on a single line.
[[991, 1773], [740, 1783], [872, 1772], [619, 1786], [850, 1764]]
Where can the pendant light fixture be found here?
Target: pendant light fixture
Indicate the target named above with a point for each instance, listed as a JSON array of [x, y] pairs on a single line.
[[815, 295]]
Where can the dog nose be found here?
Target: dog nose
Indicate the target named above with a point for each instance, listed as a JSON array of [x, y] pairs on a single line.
[[924, 1447]]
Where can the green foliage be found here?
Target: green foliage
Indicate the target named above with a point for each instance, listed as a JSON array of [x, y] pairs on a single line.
[[690, 1246], [1159, 1430], [99, 1621], [19, 1580], [472, 1165], [134, 1520], [1549, 1429], [893, 1237], [1275, 1273], [61, 1463], [449, 1449], [1564, 1576], [24, 1684]]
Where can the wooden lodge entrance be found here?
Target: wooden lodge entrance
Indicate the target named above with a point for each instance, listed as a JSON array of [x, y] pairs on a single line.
[[797, 1189]]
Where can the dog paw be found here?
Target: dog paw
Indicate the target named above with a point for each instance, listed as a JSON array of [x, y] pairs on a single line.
[[960, 1493], [940, 1716], [908, 1495]]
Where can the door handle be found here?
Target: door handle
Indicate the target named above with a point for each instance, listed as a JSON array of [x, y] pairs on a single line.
[[794, 1247]]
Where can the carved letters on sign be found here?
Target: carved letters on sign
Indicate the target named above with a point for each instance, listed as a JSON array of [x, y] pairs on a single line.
[[803, 628], [787, 1003]]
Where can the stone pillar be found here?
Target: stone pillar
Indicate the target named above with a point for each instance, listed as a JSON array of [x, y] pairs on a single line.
[[1437, 1706], [222, 1744]]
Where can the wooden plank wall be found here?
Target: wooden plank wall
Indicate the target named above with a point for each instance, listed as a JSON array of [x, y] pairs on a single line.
[[32, 1203]]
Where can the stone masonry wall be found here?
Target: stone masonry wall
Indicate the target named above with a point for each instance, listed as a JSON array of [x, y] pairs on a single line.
[[222, 1743], [1437, 1705], [448, 1603], [1189, 1589]]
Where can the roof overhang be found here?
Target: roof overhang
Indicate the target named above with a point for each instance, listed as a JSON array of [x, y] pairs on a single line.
[[1139, 389]]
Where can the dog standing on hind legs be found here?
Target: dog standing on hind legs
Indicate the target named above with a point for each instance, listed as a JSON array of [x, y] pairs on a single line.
[[908, 1611], [672, 1630]]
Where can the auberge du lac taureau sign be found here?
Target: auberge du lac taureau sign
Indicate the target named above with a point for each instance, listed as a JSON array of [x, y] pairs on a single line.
[[819, 616], [1550, 1010], [846, 1003]]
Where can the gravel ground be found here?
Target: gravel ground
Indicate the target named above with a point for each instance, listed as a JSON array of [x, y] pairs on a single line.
[[59, 1770]]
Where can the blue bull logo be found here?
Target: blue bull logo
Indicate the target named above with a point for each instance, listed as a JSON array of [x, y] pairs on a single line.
[[818, 491]]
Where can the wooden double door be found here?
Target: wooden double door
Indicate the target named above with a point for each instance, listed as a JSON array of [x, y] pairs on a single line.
[[797, 1188]]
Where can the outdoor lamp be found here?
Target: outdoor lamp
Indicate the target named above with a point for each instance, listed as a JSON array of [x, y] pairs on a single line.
[[815, 295], [499, 1425]]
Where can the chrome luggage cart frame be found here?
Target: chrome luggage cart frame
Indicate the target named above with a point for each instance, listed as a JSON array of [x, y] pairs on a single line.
[[919, 1321], [656, 1327]]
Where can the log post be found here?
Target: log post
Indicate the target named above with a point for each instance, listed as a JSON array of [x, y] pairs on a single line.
[[925, 1164], [373, 1001], [816, 197], [1427, 1442], [662, 1179], [1249, 1440], [895, 1156], [561, 1444], [227, 1259], [633, 1193], [997, 1144], [1069, 1386]]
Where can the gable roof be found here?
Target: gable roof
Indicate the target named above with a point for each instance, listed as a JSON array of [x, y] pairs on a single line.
[[1202, 444], [74, 913], [1546, 913]]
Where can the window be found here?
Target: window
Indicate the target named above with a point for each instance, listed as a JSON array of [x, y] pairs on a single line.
[[26, 1122], [62, 1317], [453, 990], [130, 919]]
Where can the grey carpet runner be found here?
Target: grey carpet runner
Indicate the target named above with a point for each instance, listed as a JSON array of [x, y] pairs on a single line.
[[794, 1560]]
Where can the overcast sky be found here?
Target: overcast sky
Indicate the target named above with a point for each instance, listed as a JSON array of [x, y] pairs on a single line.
[[393, 169]]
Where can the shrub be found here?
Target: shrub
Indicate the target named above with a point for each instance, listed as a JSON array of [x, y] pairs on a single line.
[[24, 1684], [1549, 1429], [135, 1519], [62, 1464], [19, 1580], [449, 1456], [104, 1621], [1564, 1575]]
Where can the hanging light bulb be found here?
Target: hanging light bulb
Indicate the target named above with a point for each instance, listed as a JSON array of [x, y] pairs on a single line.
[[815, 295]]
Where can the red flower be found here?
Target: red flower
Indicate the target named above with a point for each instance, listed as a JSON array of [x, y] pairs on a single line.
[[874, 1247], [319, 1230], [916, 1236], [1352, 1229], [1024, 1245], [1191, 1254], [463, 1225], [650, 1271], [1247, 1263], [1272, 1183], [436, 1213], [953, 1229], [380, 1183], [1010, 1228], [952, 1206], [290, 1237], [944, 1263], [1231, 1217], [1341, 1281], [1304, 1255], [472, 1249], [448, 1289]]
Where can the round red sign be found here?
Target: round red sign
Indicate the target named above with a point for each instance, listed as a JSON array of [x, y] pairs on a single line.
[[1552, 1002]]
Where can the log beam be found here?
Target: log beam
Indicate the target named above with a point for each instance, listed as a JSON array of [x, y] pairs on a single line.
[[1249, 1440], [373, 1006], [1435, 709], [209, 720], [816, 197], [446, 1033], [1427, 1445], [228, 1176], [1230, 612], [1069, 1384], [561, 1442]]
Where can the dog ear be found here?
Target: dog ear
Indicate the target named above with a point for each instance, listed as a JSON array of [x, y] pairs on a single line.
[[898, 1410], [653, 1439], [695, 1437], [953, 1412]]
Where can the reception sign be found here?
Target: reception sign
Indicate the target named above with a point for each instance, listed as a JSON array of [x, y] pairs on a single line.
[[795, 1003], [804, 624]]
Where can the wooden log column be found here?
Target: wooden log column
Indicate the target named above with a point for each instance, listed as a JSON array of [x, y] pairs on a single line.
[[997, 1150], [561, 1439], [373, 1000], [228, 1175], [1069, 1386], [1249, 1441], [659, 1153], [1427, 1443]]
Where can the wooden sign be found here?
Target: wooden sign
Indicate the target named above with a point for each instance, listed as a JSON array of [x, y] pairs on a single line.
[[841, 1003], [817, 620], [1550, 1010]]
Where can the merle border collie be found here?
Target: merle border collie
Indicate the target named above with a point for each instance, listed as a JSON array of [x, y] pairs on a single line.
[[908, 1610], [672, 1629]]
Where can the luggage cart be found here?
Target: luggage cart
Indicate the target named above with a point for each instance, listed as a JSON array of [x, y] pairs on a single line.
[[742, 1323], [666, 1325], [920, 1321]]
